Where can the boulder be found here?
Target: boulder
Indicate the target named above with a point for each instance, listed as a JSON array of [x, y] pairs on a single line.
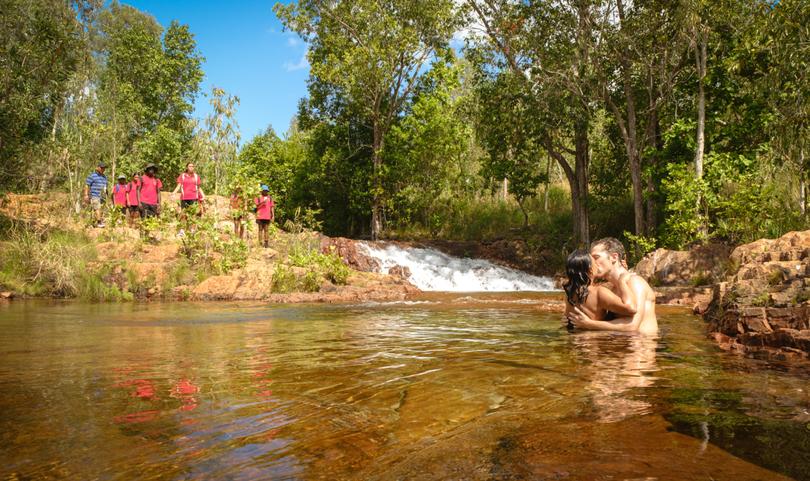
[[764, 304], [352, 256], [701, 265]]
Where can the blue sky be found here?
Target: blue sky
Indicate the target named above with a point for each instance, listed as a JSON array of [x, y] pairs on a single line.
[[246, 53]]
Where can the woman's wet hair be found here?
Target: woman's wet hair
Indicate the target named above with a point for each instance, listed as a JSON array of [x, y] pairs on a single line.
[[578, 270]]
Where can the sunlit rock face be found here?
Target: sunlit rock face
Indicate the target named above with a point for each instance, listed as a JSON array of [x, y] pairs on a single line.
[[764, 304]]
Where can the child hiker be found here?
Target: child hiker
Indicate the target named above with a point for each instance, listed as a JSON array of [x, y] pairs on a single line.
[[238, 212], [265, 213]]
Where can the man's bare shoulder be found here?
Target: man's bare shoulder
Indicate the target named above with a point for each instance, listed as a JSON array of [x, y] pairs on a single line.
[[638, 282]]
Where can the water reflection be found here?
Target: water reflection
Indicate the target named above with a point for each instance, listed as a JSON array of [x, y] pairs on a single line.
[[475, 389], [618, 366]]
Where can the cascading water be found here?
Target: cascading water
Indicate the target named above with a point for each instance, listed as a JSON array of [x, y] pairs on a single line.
[[432, 270]]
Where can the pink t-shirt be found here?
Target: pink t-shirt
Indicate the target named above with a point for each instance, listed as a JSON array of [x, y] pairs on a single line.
[[264, 207], [150, 186], [188, 184], [132, 188], [120, 194]]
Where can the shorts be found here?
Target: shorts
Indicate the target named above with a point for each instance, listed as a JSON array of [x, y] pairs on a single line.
[[185, 204], [95, 203], [124, 209], [133, 209], [263, 221], [150, 210]]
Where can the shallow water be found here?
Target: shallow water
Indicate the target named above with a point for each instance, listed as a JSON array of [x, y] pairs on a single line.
[[447, 387]]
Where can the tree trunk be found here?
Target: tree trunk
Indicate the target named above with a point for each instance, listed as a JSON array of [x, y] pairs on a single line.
[[653, 140], [802, 183], [548, 181], [700, 59], [376, 202], [630, 135], [582, 158]]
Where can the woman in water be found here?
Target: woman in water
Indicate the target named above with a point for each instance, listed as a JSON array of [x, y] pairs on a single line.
[[598, 302]]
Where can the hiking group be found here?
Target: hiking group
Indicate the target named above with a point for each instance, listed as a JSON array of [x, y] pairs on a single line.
[[140, 197]]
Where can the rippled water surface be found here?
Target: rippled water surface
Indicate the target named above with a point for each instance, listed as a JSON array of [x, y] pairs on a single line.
[[450, 387]]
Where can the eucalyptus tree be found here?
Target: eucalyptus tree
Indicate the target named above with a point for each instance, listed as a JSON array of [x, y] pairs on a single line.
[[550, 45], [370, 54], [41, 47]]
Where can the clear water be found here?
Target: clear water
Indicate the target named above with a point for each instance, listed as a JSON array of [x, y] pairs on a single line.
[[446, 387]]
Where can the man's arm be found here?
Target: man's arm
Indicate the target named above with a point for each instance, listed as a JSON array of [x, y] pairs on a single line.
[[624, 304], [581, 320]]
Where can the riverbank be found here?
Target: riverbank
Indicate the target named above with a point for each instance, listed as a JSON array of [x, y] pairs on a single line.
[[755, 298], [49, 252]]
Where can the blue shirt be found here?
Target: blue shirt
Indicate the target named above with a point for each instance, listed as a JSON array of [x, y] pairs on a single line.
[[97, 183]]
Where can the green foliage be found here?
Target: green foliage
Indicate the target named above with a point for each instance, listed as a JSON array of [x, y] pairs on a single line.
[[639, 246], [284, 280], [41, 47], [203, 245], [322, 266]]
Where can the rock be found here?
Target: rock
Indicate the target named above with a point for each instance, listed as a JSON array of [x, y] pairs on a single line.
[[697, 298], [701, 265], [763, 303], [348, 251], [216, 288], [402, 272], [6, 295]]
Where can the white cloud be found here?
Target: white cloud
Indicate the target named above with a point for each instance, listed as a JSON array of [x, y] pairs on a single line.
[[301, 65], [293, 41]]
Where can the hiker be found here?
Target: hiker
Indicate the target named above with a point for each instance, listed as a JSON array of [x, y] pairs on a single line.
[[149, 192], [189, 186], [120, 194], [265, 213], [133, 199], [238, 212], [95, 191]]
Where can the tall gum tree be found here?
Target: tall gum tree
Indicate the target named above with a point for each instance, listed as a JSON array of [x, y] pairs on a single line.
[[551, 46], [372, 52]]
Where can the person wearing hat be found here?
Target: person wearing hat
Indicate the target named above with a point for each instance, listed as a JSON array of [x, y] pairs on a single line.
[[95, 190], [149, 192], [265, 213], [119, 195]]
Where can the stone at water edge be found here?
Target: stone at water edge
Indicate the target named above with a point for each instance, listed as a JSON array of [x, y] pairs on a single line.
[[7, 295]]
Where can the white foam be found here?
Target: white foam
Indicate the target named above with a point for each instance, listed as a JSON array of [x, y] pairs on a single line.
[[432, 270]]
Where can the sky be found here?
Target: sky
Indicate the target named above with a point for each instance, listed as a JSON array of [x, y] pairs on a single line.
[[247, 54]]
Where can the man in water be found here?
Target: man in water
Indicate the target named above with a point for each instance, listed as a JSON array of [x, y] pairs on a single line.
[[610, 265]]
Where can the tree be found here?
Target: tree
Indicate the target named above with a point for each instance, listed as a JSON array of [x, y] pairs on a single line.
[[550, 46], [40, 49], [221, 137], [372, 53]]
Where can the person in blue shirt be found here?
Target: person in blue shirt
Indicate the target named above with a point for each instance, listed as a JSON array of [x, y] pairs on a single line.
[[95, 190]]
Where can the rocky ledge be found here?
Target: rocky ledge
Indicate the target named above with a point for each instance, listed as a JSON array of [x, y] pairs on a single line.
[[758, 301]]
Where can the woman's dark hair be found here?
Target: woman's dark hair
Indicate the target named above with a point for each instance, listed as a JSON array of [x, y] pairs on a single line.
[[578, 270]]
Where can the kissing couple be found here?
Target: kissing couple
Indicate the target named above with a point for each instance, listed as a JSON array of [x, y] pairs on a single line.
[[622, 301]]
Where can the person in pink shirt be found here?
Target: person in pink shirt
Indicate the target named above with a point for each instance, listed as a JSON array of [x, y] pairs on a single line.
[[149, 192], [265, 213], [133, 201], [119, 194], [189, 186]]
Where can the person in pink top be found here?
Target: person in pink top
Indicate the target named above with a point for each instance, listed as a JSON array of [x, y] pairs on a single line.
[[119, 194], [189, 186], [265, 213], [133, 201], [149, 192]]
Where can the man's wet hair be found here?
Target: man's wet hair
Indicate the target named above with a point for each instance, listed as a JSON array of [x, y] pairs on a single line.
[[611, 246]]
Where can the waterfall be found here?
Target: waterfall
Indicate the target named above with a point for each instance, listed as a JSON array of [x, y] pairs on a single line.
[[432, 270]]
